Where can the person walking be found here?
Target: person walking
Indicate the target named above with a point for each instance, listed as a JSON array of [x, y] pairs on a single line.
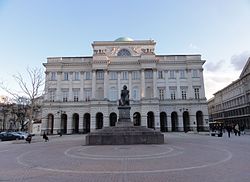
[[29, 138], [45, 137], [229, 129], [237, 130]]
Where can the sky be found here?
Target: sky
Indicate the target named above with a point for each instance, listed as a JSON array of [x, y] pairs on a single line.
[[219, 30]]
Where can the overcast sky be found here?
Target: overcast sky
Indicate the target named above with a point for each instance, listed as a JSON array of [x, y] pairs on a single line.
[[31, 31]]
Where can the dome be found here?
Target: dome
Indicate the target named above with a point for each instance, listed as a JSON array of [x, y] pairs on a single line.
[[124, 39]]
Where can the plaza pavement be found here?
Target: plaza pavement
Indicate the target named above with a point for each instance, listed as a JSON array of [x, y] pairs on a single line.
[[189, 157]]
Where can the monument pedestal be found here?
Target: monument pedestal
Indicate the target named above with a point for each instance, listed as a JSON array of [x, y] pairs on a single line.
[[124, 133]]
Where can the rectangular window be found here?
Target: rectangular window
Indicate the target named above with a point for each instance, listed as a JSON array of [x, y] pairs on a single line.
[[161, 93], [87, 94], [113, 94], [53, 76], [172, 94], [160, 74], [135, 93], [65, 76], [182, 74], [195, 74], [184, 94], [172, 74], [65, 96], [52, 95], [76, 75], [88, 75], [196, 93], [76, 95], [148, 74], [113, 75], [135, 75], [124, 75], [100, 75]]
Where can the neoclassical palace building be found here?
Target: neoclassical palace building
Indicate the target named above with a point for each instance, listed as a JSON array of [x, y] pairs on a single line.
[[166, 91]]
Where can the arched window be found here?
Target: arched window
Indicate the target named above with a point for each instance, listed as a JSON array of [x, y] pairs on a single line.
[[123, 52]]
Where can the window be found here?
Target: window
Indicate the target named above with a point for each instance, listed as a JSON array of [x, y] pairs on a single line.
[[184, 94], [172, 94], [52, 95], [113, 94], [76, 75], [53, 76], [87, 75], [160, 74], [196, 93], [148, 74], [182, 74], [100, 75], [171, 74], [65, 76], [135, 93], [135, 75], [195, 73], [65, 95], [161, 93], [124, 75], [87, 94], [76, 95], [113, 75], [123, 52]]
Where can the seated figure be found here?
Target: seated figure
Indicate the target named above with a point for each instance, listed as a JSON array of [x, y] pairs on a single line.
[[124, 97]]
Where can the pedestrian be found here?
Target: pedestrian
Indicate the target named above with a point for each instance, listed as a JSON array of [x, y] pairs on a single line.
[[29, 138], [45, 137], [229, 129], [242, 129], [237, 130]]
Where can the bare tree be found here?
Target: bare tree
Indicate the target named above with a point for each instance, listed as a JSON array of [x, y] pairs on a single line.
[[31, 89]]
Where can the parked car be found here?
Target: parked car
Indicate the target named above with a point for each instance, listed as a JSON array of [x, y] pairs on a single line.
[[22, 134], [9, 136]]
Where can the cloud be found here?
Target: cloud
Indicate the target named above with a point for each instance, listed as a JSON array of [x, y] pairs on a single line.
[[214, 66], [238, 61], [193, 46]]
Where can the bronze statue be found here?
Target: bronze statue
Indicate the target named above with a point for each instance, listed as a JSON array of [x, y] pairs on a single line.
[[124, 97]]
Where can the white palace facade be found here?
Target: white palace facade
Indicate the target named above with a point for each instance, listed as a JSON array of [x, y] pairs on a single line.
[[166, 91]]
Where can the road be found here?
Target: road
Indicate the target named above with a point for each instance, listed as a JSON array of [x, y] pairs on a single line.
[[184, 157]]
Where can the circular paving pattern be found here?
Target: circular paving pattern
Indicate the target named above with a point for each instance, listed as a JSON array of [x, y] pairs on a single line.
[[125, 159]]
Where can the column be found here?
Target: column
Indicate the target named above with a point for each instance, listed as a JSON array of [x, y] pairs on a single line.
[[130, 81], [202, 91], [155, 83], [190, 85], [93, 83], [81, 97], [142, 84], [119, 84], [178, 95], [69, 123], [70, 87], [80, 123], [106, 80], [169, 122], [157, 122], [180, 121], [166, 85], [57, 123], [58, 87]]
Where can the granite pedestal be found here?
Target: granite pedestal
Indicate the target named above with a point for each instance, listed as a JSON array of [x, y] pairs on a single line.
[[124, 133]]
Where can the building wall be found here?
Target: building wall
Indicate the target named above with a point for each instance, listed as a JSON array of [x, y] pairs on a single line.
[[157, 84], [231, 104]]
